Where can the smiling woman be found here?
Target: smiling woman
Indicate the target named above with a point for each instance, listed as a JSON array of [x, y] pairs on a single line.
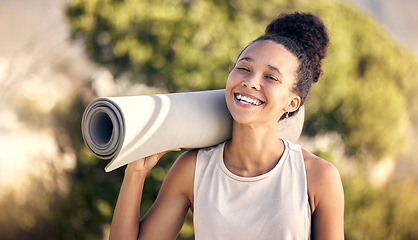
[[263, 73], [255, 185]]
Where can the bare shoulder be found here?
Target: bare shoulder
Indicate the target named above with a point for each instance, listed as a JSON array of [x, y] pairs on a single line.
[[183, 168], [323, 179], [166, 216], [181, 175], [318, 167], [185, 164], [326, 198]]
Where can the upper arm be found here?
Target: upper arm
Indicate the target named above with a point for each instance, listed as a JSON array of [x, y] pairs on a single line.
[[327, 199], [166, 217]]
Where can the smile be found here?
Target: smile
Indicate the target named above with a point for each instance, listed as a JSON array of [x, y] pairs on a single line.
[[248, 100]]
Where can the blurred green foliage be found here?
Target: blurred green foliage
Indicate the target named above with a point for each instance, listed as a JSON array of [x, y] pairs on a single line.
[[366, 95], [375, 213], [368, 88], [191, 45], [179, 45]]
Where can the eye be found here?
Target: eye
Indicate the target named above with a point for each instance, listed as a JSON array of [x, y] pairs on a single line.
[[271, 77], [243, 69]]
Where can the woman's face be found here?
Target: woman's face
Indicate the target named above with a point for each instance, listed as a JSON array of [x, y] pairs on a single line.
[[259, 88]]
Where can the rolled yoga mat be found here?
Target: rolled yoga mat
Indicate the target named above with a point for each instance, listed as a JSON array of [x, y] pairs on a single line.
[[125, 129]]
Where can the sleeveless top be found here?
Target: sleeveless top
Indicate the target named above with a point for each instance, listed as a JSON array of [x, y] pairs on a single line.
[[274, 205]]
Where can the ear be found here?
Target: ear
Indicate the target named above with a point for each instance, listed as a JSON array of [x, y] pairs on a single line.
[[293, 104]]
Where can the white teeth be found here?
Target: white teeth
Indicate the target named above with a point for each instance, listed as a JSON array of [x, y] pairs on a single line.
[[248, 100]]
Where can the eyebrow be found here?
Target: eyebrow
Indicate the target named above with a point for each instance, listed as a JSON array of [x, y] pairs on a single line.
[[275, 69], [248, 59]]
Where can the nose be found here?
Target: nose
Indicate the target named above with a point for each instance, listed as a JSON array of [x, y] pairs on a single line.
[[251, 82]]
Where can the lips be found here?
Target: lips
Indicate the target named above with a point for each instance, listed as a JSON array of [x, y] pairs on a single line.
[[248, 99]]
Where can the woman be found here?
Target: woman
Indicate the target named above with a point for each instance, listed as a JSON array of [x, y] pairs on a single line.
[[254, 186]]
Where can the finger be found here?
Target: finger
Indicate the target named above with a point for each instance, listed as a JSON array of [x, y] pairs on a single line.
[[152, 160]]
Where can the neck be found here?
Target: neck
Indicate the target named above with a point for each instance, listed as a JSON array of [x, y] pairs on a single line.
[[252, 151]]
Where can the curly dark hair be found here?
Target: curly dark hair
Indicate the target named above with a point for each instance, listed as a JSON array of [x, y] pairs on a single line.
[[305, 35]]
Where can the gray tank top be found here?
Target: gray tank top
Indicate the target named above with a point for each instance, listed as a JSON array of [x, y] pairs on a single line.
[[273, 205]]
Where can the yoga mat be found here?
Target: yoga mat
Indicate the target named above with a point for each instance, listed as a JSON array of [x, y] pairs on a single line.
[[125, 129]]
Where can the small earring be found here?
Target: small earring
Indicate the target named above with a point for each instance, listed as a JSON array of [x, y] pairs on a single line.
[[287, 115]]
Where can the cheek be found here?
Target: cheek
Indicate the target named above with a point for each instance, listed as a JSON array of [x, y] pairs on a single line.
[[228, 87], [231, 82], [279, 96]]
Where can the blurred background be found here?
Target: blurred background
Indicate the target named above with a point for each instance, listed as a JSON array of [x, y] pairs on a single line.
[[58, 55]]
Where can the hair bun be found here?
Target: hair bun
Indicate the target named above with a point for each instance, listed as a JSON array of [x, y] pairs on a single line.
[[306, 30]]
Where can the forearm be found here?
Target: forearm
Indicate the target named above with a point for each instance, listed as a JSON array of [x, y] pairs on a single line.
[[125, 222]]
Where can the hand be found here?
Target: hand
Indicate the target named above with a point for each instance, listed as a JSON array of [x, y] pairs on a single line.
[[144, 165]]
